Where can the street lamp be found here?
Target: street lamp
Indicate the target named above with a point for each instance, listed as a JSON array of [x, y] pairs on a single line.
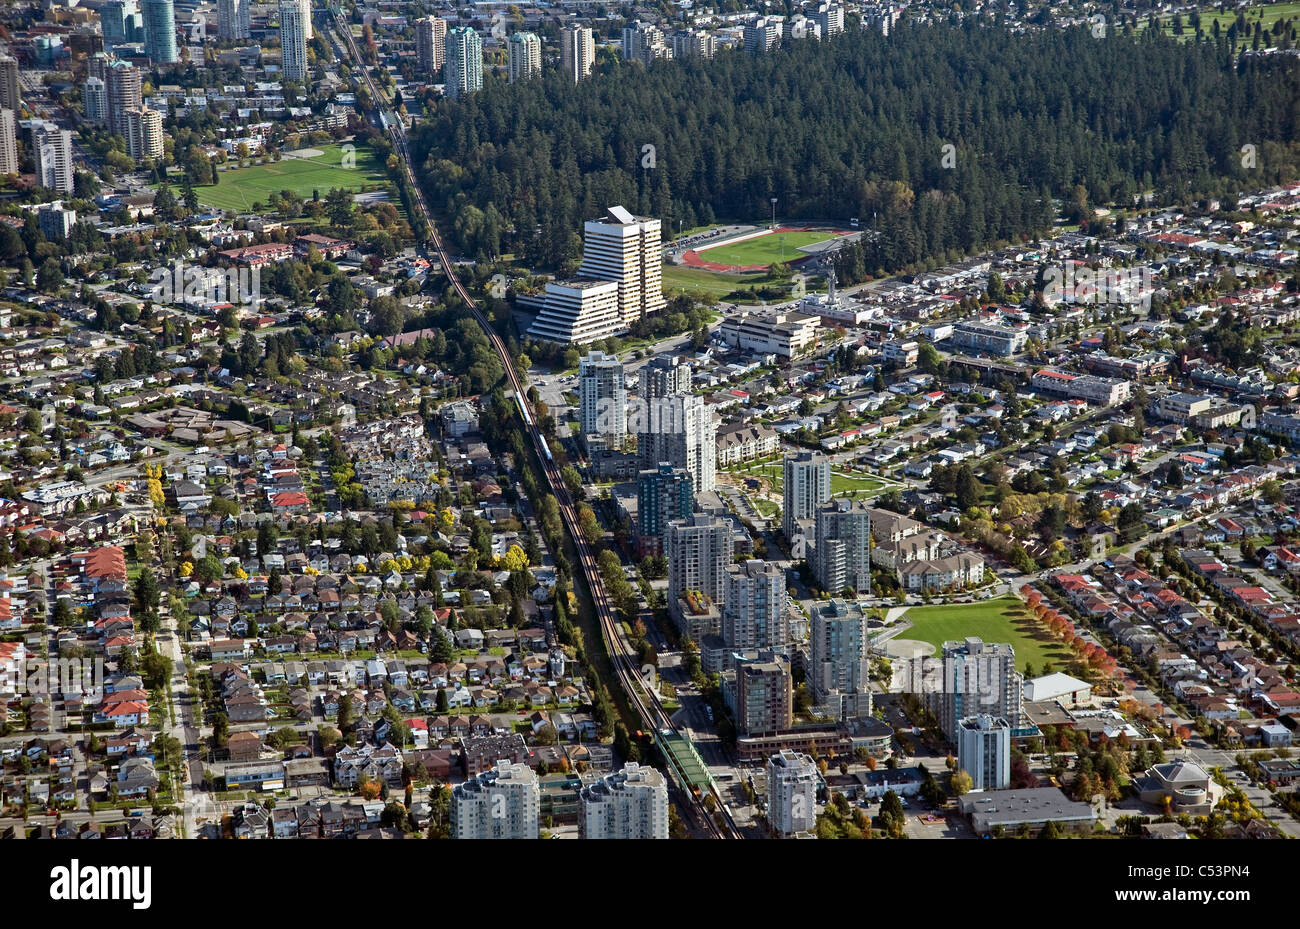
[[774, 212]]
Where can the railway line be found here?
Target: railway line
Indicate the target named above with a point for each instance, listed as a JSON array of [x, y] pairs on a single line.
[[646, 702]]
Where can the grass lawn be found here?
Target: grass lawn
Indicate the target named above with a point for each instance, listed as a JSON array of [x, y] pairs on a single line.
[[772, 248], [1265, 15], [240, 188], [1002, 620], [696, 281], [841, 483], [773, 471], [844, 483]]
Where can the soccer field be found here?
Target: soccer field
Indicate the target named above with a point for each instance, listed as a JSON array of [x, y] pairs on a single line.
[[239, 189], [698, 282], [1002, 620], [772, 248]]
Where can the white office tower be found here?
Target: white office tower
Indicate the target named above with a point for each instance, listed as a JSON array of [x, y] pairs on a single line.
[[628, 250], [53, 149], [664, 376], [94, 101], [463, 73], [144, 137], [984, 751], [839, 673], [805, 489], [979, 678], [632, 804], [8, 142], [577, 51], [293, 41], [159, 30], [602, 397], [753, 613], [830, 17], [791, 793], [306, 18], [430, 44], [503, 803], [762, 35], [577, 312], [10, 98], [525, 56], [680, 430], [122, 81], [842, 557], [232, 19], [699, 550], [644, 42]]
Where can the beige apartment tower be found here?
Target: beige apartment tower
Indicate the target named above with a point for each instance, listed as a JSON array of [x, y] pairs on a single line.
[[430, 44], [144, 136], [577, 52], [8, 142]]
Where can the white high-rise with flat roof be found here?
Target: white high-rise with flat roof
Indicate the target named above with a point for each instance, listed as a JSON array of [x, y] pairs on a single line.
[[602, 396], [577, 52], [979, 678], [806, 487], [53, 149], [632, 804], [830, 17], [699, 550], [839, 677], [680, 429], [753, 613], [94, 101], [984, 751], [791, 793], [664, 376], [525, 56], [842, 557], [503, 803], [626, 249], [293, 41]]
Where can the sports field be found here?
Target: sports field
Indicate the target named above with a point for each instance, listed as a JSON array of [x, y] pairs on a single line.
[[1265, 15], [698, 282], [775, 247], [1002, 620], [239, 189]]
